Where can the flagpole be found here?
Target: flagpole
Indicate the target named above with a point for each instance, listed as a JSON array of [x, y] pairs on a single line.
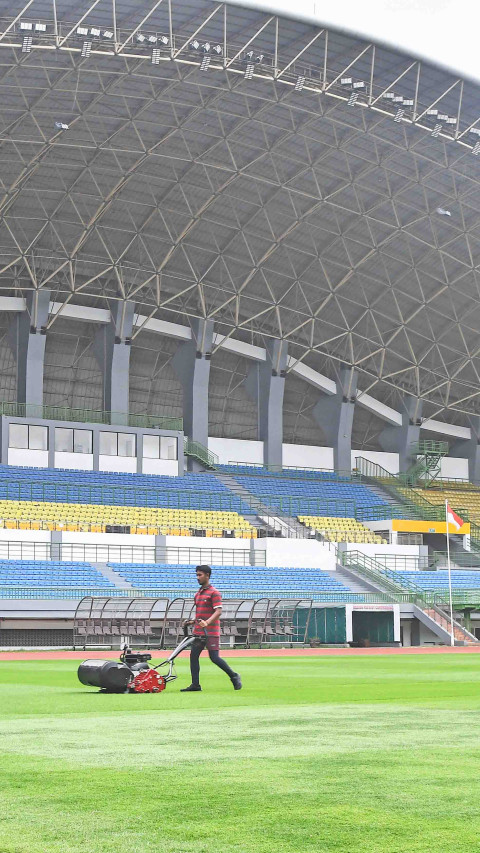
[[452, 635]]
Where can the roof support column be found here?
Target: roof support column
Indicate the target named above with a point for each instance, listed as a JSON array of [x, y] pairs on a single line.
[[470, 449], [28, 339], [265, 385], [112, 350], [191, 363], [399, 439], [335, 417]]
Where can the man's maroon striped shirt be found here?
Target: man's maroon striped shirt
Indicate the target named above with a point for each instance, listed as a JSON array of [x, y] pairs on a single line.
[[207, 600]]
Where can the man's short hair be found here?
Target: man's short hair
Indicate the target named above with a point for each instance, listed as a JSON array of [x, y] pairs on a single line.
[[205, 569]]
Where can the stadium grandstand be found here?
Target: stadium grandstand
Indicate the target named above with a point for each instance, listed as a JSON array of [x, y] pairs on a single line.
[[239, 314]]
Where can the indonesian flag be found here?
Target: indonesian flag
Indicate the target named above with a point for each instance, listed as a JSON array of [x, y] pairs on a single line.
[[453, 518]]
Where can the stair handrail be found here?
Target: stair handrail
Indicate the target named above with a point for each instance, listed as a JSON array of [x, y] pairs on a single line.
[[372, 471], [381, 574]]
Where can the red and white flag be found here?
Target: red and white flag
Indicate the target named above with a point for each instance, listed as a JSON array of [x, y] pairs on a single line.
[[453, 518]]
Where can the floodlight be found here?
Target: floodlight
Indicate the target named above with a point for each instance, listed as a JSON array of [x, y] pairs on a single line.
[[408, 102], [205, 62], [194, 45], [152, 39], [218, 49], [107, 34], [82, 31], [442, 211], [156, 55], [475, 130], [389, 96], [442, 117], [26, 25], [397, 99], [60, 125], [27, 44], [359, 84], [300, 83], [206, 47], [86, 49], [251, 58], [94, 31], [140, 38], [476, 148], [40, 28], [163, 40], [432, 112], [346, 81], [451, 120], [436, 130], [352, 99], [399, 115], [249, 71]]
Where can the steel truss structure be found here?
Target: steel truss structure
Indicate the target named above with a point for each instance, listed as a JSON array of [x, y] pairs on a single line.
[[207, 160]]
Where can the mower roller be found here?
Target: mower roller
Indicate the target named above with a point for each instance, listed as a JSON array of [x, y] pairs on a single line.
[[133, 673]]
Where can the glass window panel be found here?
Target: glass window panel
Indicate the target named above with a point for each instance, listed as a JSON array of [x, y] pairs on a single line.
[[108, 443], [38, 438], [63, 440], [82, 441], [168, 447], [126, 444], [18, 435], [151, 446]]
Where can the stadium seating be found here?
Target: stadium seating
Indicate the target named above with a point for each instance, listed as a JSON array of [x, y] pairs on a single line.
[[341, 529], [439, 579], [465, 497], [325, 494], [47, 515], [40, 574], [253, 579]]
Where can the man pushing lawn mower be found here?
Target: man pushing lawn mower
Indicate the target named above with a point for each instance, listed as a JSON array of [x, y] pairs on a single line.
[[208, 608]]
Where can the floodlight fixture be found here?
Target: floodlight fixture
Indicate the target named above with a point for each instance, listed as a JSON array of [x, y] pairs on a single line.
[[156, 56], [399, 115], [107, 34], [249, 71], [432, 112], [205, 62], [397, 99], [27, 44], [476, 148], [140, 38], [86, 49], [253, 59], [300, 83], [436, 130], [475, 130], [408, 102], [346, 81], [40, 28], [352, 99], [82, 31], [194, 45], [359, 84], [206, 47], [26, 26], [442, 117], [217, 49], [451, 120], [61, 125], [152, 39], [94, 31], [163, 40], [389, 96]]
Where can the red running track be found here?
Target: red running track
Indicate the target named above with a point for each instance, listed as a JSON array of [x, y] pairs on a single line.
[[252, 653]]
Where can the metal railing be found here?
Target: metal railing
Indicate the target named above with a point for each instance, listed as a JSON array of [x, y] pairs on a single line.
[[291, 472], [99, 553], [200, 452], [94, 416], [411, 501]]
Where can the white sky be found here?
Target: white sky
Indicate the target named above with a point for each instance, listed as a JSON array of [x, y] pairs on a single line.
[[444, 31]]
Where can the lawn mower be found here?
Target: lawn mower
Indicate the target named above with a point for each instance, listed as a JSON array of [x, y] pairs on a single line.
[[133, 674]]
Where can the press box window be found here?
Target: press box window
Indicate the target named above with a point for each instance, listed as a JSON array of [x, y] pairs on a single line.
[[28, 437], [159, 447], [73, 440], [117, 444]]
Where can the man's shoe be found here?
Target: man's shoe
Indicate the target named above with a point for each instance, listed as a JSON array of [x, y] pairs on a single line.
[[192, 689], [236, 681]]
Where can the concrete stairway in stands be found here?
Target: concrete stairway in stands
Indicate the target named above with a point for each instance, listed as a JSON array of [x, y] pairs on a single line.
[[112, 576], [353, 582], [266, 518]]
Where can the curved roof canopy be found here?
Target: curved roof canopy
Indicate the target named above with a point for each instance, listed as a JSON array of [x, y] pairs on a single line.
[[208, 160]]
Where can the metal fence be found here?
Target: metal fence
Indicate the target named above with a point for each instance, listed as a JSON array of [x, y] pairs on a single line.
[[94, 416]]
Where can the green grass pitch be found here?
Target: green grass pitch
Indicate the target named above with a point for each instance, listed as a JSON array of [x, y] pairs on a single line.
[[347, 754]]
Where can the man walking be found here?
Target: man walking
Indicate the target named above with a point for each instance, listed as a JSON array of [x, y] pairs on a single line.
[[208, 607]]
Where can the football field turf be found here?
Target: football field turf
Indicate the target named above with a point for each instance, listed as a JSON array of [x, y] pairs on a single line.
[[314, 754]]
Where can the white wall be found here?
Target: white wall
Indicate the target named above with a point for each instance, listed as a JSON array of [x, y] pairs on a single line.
[[160, 466], [454, 468], [236, 450], [32, 458], [118, 464], [305, 456], [77, 461], [389, 461]]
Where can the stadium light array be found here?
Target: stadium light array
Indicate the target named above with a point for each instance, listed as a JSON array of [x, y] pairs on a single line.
[[95, 32], [26, 26], [300, 83], [436, 130], [107, 34], [86, 49], [476, 148], [82, 31], [27, 44], [205, 62], [399, 114], [352, 99]]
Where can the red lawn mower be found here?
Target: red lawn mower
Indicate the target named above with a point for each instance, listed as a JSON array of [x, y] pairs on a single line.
[[133, 674]]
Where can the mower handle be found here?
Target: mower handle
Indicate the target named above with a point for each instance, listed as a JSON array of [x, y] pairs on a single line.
[[188, 625]]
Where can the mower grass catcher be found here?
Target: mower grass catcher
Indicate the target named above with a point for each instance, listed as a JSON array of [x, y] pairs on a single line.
[[133, 673]]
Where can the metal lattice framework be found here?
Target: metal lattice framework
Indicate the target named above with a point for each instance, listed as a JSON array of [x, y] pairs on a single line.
[[208, 160]]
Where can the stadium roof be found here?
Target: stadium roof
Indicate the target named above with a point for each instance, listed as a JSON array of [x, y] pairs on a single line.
[[209, 160]]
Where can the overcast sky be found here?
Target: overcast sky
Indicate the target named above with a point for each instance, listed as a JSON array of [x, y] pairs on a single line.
[[445, 31]]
